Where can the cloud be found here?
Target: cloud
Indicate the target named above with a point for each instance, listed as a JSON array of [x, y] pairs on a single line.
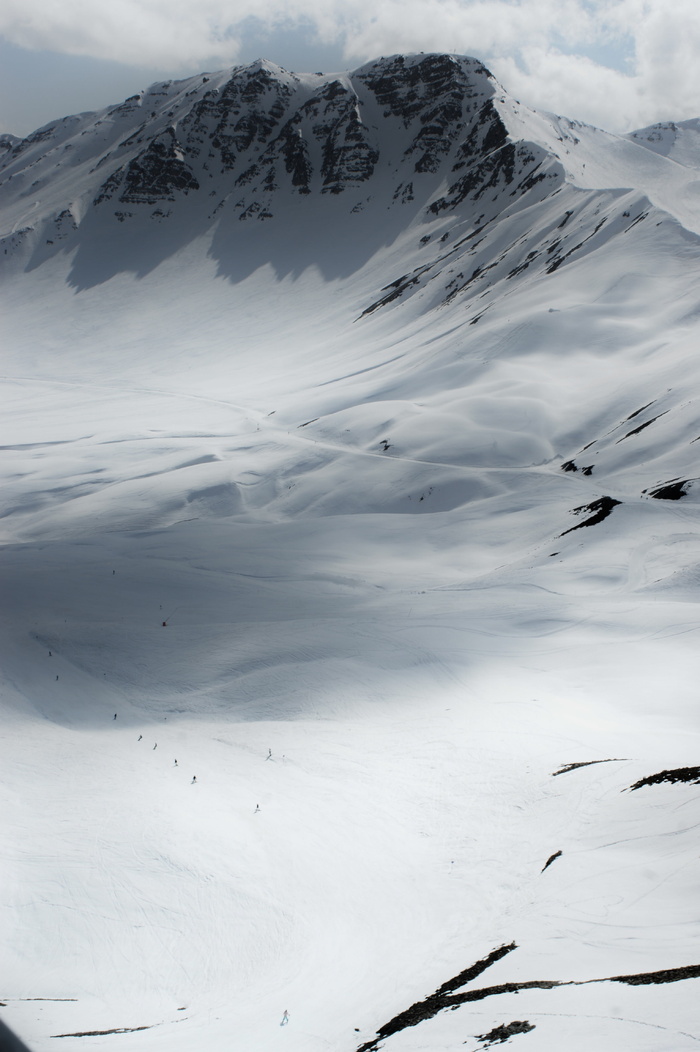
[[617, 63]]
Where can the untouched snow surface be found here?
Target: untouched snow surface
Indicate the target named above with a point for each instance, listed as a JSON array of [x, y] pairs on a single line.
[[384, 635]]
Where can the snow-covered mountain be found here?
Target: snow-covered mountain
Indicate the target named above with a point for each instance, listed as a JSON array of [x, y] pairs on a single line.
[[350, 555]]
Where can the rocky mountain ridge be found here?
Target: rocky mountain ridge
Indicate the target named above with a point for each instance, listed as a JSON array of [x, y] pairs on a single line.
[[436, 133]]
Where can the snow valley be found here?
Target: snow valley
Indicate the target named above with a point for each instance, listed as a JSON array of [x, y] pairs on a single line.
[[350, 571]]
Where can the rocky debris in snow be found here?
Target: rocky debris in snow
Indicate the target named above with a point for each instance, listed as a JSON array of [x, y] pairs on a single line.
[[601, 508], [560, 259], [584, 763], [636, 430], [665, 975], [439, 1000], [101, 1033], [557, 854], [638, 411], [571, 465], [397, 288], [680, 774], [504, 1031], [433, 1004], [11, 243]]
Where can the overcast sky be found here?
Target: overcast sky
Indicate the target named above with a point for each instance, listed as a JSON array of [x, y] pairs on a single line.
[[620, 64]]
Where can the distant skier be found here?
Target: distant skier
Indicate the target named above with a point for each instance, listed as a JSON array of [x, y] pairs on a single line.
[[285, 1018], [140, 737], [176, 763], [269, 754], [165, 624], [155, 746], [194, 779], [50, 654], [56, 677], [115, 715], [257, 808]]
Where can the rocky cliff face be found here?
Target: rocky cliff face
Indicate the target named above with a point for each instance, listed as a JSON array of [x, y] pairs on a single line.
[[418, 128], [429, 144]]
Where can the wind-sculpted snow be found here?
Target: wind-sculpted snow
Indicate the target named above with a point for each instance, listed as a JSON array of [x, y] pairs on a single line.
[[350, 564]]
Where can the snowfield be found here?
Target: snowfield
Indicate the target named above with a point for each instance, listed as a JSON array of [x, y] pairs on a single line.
[[350, 572]]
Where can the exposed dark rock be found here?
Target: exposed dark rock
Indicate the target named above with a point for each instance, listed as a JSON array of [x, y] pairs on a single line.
[[348, 156], [477, 969], [244, 114], [488, 134], [435, 1002], [559, 260], [504, 1031], [101, 1033], [9, 144], [584, 763], [296, 157], [153, 176], [109, 187], [496, 169], [666, 975], [671, 490], [638, 411], [637, 219], [557, 854], [405, 89], [636, 430], [396, 289], [404, 194], [523, 266], [601, 508], [680, 774], [443, 998]]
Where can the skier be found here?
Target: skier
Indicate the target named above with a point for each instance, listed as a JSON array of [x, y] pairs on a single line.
[[115, 715], [269, 754], [140, 737], [194, 779], [257, 808], [285, 1018], [176, 763], [165, 624], [155, 747]]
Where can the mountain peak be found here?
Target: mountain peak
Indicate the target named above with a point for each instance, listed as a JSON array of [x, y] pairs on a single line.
[[432, 135]]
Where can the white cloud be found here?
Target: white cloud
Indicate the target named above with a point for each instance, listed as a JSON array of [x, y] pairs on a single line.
[[547, 52]]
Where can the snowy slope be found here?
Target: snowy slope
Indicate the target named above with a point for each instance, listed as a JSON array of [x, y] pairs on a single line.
[[381, 391]]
